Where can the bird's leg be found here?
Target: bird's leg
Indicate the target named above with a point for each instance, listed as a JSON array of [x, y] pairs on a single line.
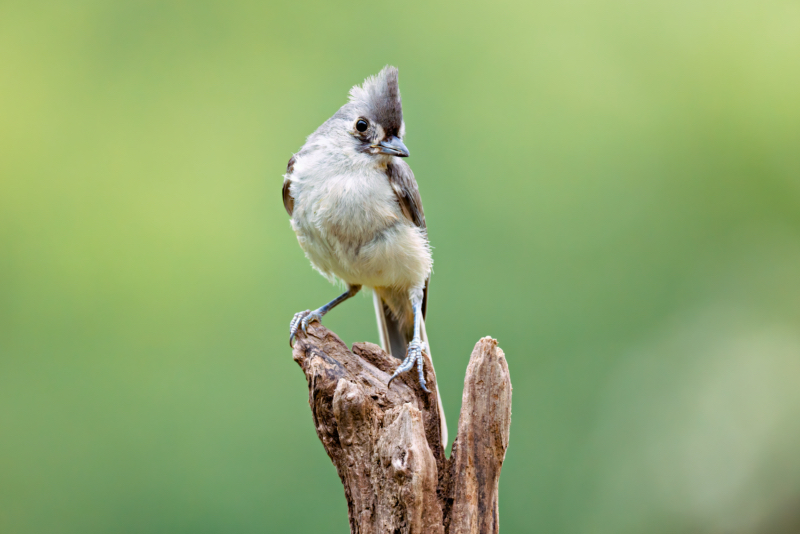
[[304, 318], [415, 348]]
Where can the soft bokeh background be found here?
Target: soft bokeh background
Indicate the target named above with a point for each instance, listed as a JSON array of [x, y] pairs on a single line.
[[612, 190]]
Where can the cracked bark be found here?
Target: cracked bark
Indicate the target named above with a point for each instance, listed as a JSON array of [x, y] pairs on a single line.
[[386, 443]]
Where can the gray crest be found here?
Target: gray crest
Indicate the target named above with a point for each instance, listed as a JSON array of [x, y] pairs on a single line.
[[378, 98]]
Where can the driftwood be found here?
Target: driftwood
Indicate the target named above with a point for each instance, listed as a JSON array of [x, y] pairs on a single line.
[[386, 444]]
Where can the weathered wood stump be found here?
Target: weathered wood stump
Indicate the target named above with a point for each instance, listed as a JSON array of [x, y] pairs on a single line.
[[386, 443]]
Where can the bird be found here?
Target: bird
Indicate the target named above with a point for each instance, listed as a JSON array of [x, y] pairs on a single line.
[[355, 207]]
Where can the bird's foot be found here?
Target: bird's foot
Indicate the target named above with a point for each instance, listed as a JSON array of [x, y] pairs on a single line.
[[414, 356], [302, 320]]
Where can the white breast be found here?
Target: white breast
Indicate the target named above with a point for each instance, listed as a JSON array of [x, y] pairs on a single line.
[[349, 223]]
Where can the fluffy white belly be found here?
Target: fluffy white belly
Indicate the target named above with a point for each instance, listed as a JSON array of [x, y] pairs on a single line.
[[354, 230]]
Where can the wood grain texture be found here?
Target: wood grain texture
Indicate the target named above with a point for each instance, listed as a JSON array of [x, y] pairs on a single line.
[[385, 443]]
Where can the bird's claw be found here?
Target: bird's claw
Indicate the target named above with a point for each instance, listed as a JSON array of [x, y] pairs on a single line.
[[414, 356], [295, 325], [302, 320]]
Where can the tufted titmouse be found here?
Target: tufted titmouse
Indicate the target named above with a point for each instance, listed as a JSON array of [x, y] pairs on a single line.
[[356, 210]]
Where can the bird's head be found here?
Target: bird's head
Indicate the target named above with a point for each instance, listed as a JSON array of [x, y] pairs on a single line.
[[374, 116]]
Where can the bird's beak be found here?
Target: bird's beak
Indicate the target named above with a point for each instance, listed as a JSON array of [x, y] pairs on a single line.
[[393, 147]]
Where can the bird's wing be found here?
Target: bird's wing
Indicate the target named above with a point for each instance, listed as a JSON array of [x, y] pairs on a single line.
[[405, 189], [288, 201]]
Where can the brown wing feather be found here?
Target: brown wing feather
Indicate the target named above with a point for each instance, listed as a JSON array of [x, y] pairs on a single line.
[[288, 201], [405, 189]]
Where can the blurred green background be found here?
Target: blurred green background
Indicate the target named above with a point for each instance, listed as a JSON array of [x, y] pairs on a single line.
[[612, 190]]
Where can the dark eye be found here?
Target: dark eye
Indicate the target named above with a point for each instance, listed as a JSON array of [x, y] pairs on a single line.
[[361, 125]]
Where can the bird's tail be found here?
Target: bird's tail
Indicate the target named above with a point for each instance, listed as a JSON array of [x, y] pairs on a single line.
[[394, 340]]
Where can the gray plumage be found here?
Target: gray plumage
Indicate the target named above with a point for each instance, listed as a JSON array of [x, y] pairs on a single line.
[[357, 212]]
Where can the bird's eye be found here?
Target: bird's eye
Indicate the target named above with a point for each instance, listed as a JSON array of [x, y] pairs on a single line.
[[361, 125]]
